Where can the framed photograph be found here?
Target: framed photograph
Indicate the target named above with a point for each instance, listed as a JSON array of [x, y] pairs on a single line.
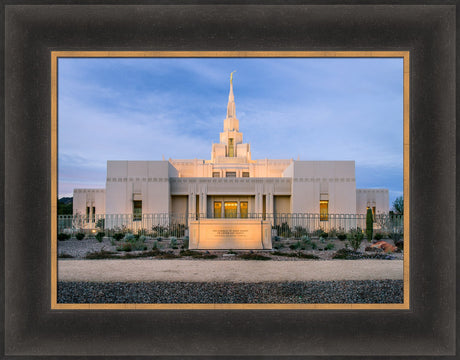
[[41, 42], [272, 193]]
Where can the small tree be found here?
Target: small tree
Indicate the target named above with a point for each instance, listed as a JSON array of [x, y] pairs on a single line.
[[369, 224], [398, 205], [355, 238]]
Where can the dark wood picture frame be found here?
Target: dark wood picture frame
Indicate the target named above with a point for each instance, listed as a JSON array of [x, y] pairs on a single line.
[[30, 328]]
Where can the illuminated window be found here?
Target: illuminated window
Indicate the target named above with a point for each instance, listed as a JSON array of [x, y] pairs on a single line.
[[137, 210], [323, 210], [230, 209], [244, 209], [230, 174], [245, 174], [217, 209], [231, 152], [215, 174]]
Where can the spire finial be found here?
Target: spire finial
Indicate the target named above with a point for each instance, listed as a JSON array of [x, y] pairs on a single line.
[[231, 77]]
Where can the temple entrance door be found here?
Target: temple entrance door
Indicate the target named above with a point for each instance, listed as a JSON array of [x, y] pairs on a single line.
[[243, 209], [217, 209], [230, 209]]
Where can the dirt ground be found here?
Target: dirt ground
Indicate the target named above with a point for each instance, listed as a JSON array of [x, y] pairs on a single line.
[[223, 271]]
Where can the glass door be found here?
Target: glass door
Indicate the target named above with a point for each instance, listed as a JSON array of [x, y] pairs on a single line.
[[230, 209]]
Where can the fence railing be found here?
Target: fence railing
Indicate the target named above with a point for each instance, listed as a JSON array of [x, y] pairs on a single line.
[[283, 224]]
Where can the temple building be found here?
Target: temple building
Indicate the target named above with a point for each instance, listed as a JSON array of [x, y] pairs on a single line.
[[229, 185]]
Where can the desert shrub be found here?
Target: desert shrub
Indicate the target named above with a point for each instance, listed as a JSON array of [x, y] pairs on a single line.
[[65, 256], [322, 240], [300, 231], [129, 238], [395, 236], [323, 235], [369, 224], [329, 246], [100, 224], [297, 254], [283, 230], [143, 254], [278, 246], [314, 246], [173, 242], [276, 238], [155, 245], [295, 246], [167, 255], [125, 247], [142, 238], [185, 243], [341, 236], [80, 236], [251, 256], [63, 236], [100, 235], [378, 236], [101, 254], [346, 254], [118, 236], [355, 238]]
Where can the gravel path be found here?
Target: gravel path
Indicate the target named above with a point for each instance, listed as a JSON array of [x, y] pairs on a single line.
[[227, 271], [318, 292]]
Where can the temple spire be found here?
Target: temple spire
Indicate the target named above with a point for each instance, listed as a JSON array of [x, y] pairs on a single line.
[[231, 112]]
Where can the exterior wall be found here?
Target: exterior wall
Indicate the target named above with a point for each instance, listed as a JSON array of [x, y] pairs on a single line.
[[88, 197], [138, 180], [372, 197], [256, 168], [179, 205], [323, 180], [282, 204]]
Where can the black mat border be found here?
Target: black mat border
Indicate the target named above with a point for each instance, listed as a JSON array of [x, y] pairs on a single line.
[[31, 329]]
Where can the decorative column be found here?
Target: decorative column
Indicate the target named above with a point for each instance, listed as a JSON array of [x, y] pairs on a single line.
[[192, 201], [203, 200]]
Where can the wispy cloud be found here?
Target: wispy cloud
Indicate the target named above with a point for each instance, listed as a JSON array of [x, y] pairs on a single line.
[[317, 109]]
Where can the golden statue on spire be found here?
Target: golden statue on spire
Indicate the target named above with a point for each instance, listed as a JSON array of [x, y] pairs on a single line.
[[231, 77]]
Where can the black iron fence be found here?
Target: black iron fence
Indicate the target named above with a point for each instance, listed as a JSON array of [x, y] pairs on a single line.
[[283, 224]]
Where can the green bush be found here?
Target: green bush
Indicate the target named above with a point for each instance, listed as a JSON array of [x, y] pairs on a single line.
[[369, 224], [355, 238], [378, 236], [118, 236], [63, 237], [100, 235], [130, 238], [155, 245], [341, 236], [125, 247], [323, 235], [173, 242], [80, 236], [329, 246], [100, 224], [185, 243]]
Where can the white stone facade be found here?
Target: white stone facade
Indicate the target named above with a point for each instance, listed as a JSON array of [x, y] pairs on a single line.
[[230, 184]]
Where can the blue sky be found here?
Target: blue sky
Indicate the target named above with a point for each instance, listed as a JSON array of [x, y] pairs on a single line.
[[308, 108]]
